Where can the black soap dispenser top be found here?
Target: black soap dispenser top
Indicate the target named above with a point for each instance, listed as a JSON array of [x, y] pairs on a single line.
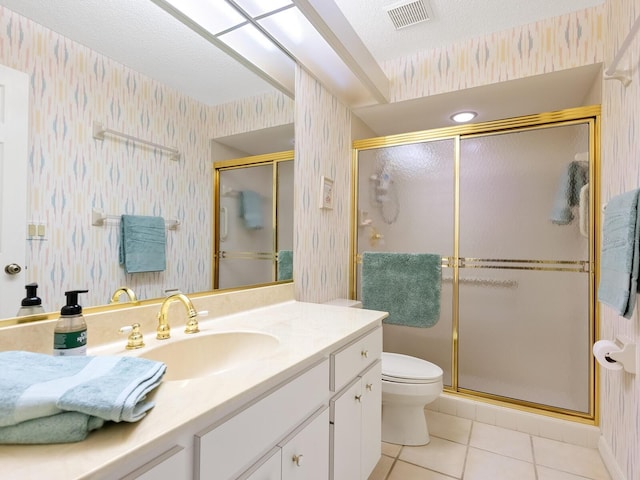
[[31, 304], [72, 307]]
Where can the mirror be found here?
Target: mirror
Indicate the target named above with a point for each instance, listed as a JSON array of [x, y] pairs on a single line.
[[93, 62]]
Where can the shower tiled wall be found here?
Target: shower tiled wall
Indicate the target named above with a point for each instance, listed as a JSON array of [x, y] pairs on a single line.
[[70, 172], [620, 391]]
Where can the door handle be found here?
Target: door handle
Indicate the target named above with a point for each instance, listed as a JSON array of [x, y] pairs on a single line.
[[12, 269]]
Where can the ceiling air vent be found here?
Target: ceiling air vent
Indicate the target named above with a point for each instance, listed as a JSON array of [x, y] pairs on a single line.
[[409, 13]]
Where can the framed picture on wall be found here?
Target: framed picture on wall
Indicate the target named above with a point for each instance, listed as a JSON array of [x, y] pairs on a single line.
[[326, 192]]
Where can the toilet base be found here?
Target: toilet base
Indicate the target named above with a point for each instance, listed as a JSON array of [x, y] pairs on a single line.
[[404, 425]]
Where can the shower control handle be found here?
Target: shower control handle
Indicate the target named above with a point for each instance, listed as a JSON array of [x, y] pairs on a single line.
[[359, 398], [364, 353], [369, 386], [297, 459]]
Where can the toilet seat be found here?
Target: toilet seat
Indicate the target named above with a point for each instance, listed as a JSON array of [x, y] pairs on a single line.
[[400, 368]]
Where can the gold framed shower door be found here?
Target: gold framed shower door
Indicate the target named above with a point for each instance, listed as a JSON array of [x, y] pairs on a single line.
[[582, 115]]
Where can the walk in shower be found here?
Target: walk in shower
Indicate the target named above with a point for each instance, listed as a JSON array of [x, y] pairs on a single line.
[[506, 205]]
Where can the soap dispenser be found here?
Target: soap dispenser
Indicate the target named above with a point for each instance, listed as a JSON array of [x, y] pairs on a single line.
[[31, 304], [70, 333]]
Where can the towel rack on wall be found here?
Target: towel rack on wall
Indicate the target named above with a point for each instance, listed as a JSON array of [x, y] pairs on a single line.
[[623, 75], [98, 217], [99, 130]]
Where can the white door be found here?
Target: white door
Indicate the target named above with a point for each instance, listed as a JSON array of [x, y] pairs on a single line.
[[14, 127]]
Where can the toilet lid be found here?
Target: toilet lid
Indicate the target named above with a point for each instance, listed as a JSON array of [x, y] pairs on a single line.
[[405, 369]]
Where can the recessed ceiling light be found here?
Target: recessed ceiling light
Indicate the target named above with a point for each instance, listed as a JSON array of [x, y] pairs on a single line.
[[462, 117]]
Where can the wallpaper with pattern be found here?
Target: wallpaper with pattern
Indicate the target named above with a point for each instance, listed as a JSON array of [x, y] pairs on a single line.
[[70, 172], [321, 236], [620, 391], [549, 45]]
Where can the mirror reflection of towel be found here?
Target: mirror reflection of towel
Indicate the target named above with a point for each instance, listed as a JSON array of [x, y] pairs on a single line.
[[251, 209], [142, 244]]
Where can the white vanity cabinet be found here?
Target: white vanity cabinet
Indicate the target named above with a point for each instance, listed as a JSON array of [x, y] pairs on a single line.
[[231, 446], [355, 410]]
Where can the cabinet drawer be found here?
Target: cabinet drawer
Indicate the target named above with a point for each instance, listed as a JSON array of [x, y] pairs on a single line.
[[170, 465], [350, 360], [268, 468], [230, 447]]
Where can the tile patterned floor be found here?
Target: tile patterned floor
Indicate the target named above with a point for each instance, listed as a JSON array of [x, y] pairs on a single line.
[[467, 450]]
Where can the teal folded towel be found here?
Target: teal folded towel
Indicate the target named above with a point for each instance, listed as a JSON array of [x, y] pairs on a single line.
[[620, 258], [407, 285], [34, 385], [66, 427], [142, 244], [574, 177], [285, 264], [251, 209]]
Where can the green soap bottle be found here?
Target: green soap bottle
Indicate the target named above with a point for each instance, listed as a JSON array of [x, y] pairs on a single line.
[[70, 333]]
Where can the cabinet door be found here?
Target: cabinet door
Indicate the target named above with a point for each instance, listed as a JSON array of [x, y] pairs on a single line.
[[306, 455], [371, 418], [346, 416]]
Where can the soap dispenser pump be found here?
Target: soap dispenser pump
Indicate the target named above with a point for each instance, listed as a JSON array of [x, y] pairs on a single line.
[[70, 333], [31, 304]]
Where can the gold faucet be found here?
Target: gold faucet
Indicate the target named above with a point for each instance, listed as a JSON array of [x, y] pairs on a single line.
[[115, 298], [163, 330]]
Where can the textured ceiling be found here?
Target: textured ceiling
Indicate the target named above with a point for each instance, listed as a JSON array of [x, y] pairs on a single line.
[[452, 21], [142, 36]]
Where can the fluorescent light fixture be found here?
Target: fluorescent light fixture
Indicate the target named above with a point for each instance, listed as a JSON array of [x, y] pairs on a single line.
[[300, 38], [255, 8], [253, 45], [214, 16], [463, 117]]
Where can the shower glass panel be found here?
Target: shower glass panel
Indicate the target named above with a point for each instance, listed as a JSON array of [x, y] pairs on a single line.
[[246, 226], [524, 326], [406, 204]]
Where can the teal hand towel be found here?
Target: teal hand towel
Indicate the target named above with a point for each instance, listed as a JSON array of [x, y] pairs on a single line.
[[34, 385], [285, 264], [620, 258], [251, 209], [407, 285], [142, 243], [574, 177], [66, 427]]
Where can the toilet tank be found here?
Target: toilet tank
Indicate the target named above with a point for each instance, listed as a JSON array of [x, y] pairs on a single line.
[[345, 302]]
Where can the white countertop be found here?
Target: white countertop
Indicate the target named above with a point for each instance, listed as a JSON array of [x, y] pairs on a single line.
[[306, 332]]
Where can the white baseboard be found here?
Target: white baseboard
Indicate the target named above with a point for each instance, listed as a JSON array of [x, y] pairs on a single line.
[[609, 460]]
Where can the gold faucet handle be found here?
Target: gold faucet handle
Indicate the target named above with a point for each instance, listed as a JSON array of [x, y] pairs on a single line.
[[135, 339], [192, 323]]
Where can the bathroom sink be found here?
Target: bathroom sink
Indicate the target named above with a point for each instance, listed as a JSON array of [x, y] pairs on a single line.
[[203, 354]]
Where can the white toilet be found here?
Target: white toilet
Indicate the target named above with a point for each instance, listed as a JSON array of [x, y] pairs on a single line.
[[408, 384]]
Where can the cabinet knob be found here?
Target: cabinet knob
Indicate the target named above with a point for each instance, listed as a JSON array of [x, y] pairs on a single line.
[[297, 459], [359, 398], [364, 353], [369, 386]]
